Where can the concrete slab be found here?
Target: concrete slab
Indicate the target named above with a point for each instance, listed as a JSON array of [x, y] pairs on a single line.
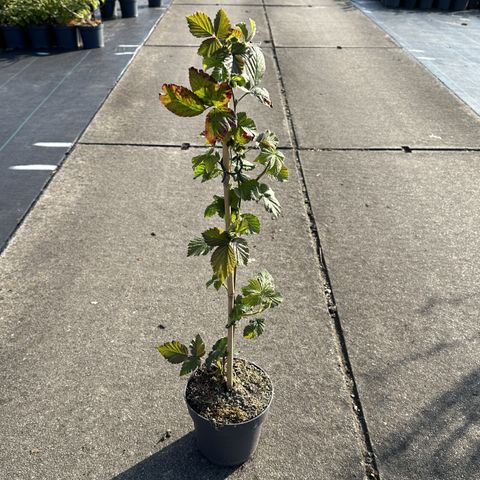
[[401, 238], [143, 120], [173, 29], [84, 286], [372, 98], [325, 26]]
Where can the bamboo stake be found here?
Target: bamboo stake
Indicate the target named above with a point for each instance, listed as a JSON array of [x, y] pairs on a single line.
[[230, 279]]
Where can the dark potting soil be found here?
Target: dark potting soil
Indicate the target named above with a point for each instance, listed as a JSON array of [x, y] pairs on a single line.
[[252, 391]]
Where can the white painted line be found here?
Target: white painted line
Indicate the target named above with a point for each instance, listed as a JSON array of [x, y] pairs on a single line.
[[426, 58], [128, 46], [53, 144], [50, 168], [125, 53]]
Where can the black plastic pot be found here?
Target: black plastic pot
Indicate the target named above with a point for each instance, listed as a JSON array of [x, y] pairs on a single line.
[[154, 3], [92, 36], [473, 4], [458, 5], [66, 37], [129, 8], [108, 10], [443, 4], [14, 37], [40, 37], [391, 3], [229, 444], [409, 4], [425, 4]]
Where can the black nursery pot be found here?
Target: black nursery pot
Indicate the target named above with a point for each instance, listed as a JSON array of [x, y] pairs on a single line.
[[391, 3], [129, 8], [409, 4], [92, 36], [40, 37], [443, 4], [458, 5], [108, 10], [227, 444], [154, 3], [14, 37], [66, 37], [425, 4]]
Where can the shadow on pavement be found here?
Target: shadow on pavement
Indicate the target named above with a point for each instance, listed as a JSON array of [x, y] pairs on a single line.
[[180, 459]]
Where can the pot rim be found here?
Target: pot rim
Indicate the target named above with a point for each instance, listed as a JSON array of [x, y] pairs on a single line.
[[220, 425]]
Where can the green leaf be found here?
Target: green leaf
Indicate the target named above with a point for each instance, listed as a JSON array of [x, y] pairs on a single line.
[[200, 25], [215, 281], [267, 140], [248, 190], [218, 123], [282, 175], [219, 350], [270, 202], [238, 310], [206, 165], [181, 101], [254, 65], [262, 95], [190, 365], [215, 237], [197, 247], [174, 352], [205, 87], [216, 207], [197, 347], [260, 290], [273, 160], [223, 261], [254, 328], [222, 25], [208, 47], [253, 29], [242, 253], [245, 130], [250, 223]]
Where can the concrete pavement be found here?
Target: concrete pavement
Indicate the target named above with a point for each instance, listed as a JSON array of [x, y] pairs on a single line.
[[389, 369]]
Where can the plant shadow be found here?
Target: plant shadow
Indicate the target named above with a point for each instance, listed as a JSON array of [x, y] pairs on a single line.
[[180, 459]]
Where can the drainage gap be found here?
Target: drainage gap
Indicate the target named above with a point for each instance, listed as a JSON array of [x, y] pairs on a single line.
[[370, 464]]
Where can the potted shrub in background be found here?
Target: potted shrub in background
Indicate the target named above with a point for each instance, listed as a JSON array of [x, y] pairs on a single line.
[[14, 20], [227, 397], [91, 28], [108, 9], [129, 8], [39, 14], [65, 29]]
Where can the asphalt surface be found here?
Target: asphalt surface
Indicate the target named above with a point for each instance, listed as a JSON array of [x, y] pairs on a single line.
[[380, 219], [48, 98]]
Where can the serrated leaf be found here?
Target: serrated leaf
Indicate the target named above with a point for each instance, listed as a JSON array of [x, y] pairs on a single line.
[[174, 352], [262, 95], [218, 351], [197, 247], [215, 237], [251, 223], [223, 261], [209, 46], [216, 282], [260, 290], [181, 101], [216, 207], [197, 347], [205, 87], [267, 140], [200, 25], [248, 190], [222, 25], [190, 365], [254, 65], [218, 123], [242, 253], [254, 328], [253, 29], [282, 175], [273, 161], [270, 202]]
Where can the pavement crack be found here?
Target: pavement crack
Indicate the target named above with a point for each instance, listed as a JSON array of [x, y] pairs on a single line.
[[369, 459]]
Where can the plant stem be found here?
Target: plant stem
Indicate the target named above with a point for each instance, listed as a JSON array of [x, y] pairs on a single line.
[[230, 279]]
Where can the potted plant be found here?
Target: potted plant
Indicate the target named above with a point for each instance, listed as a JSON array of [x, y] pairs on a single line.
[[13, 22], [108, 9], [39, 20], [66, 14], [129, 8], [91, 28], [227, 397]]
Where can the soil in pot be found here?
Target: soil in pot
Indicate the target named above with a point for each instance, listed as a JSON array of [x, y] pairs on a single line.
[[40, 37], [14, 37], [108, 10], [92, 35], [252, 392], [129, 8]]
